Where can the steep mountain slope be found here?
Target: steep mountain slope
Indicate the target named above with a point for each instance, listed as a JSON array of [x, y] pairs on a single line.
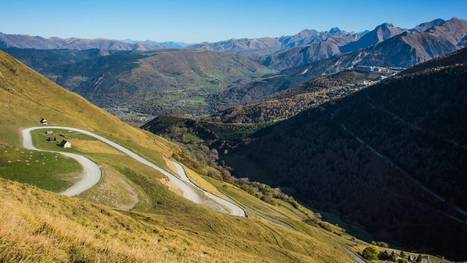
[[158, 82], [413, 46], [37, 225], [37, 42], [454, 58], [290, 102], [307, 37], [329, 44], [390, 158], [256, 46], [377, 35], [427, 25], [302, 55], [401, 51], [268, 45], [429, 40], [407, 49]]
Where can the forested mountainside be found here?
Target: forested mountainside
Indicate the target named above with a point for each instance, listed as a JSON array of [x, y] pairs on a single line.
[[390, 158], [290, 102], [176, 81]]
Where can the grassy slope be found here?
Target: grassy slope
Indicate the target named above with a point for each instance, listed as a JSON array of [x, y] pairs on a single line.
[[37, 225], [46, 170], [26, 96]]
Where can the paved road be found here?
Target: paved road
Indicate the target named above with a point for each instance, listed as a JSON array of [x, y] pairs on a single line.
[[92, 173], [230, 206]]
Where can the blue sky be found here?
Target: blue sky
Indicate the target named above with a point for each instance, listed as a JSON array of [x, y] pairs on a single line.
[[210, 20]]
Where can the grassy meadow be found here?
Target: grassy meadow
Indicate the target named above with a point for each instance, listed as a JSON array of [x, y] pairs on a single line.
[[49, 171]]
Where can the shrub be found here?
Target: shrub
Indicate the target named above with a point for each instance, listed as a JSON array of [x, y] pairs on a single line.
[[385, 255], [370, 253]]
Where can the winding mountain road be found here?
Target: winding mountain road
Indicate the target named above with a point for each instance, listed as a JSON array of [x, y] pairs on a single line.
[[229, 205], [91, 172], [90, 175]]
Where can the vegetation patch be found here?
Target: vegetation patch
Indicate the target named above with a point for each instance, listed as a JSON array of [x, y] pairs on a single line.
[[49, 171]]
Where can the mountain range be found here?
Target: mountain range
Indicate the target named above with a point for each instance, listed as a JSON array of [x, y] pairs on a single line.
[[204, 78], [380, 46], [400, 51], [263, 46], [168, 81], [38, 42]]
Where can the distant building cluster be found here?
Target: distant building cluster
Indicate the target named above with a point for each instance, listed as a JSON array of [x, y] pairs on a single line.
[[376, 69], [52, 138]]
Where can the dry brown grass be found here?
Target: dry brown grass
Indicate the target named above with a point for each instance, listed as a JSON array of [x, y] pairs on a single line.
[[37, 226], [201, 182], [114, 190], [89, 146]]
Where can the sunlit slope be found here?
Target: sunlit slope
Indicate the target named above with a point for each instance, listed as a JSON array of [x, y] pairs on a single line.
[[26, 96], [40, 226]]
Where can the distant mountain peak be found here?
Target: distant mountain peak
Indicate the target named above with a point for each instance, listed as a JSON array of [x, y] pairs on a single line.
[[439, 20], [456, 19], [380, 33], [385, 26], [335, 30], [307, 32], [427, 25]]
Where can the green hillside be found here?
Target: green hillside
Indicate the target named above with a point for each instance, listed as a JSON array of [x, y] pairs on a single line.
[[45, 170], [37, 225], [132, 83]]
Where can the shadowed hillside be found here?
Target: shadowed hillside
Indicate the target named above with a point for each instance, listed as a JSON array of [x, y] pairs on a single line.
[[391, 158]]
